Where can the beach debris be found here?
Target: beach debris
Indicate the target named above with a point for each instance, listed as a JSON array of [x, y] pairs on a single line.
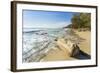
[[75, 51], [70, 47]]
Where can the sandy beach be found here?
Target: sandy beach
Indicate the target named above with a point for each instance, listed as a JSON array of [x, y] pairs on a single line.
[[60, 52], [86, 44]]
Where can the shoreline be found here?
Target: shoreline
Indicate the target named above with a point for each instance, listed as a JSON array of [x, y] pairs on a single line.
[[60, 53]]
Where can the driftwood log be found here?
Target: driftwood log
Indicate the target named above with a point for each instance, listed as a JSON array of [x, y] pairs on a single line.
[[71, 47], [75, 51]]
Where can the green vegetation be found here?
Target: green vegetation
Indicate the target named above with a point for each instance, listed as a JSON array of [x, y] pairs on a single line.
[[81, 21]]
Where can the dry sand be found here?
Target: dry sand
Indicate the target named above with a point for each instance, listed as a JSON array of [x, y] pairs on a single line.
[[86, 44], [60, 53]]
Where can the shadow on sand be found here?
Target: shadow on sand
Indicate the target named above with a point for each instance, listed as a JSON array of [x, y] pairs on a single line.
[[79, 54], [82, 55]]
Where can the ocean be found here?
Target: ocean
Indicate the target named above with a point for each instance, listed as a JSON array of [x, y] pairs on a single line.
[[35, 40]]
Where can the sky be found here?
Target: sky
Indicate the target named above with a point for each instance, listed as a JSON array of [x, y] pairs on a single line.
[[46, 19]]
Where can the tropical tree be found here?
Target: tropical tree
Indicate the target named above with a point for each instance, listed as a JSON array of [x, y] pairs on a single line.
[[81, 20]]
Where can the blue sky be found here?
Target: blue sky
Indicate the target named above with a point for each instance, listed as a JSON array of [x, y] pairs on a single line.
[[46, 19]]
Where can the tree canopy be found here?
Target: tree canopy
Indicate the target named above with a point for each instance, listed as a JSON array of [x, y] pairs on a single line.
[[81, 20]]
